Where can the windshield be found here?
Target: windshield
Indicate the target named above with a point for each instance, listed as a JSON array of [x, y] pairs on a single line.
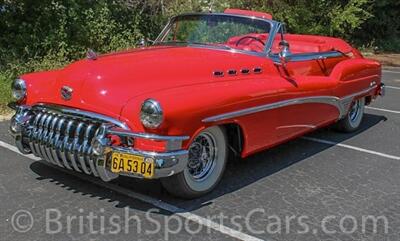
[[234, 32]]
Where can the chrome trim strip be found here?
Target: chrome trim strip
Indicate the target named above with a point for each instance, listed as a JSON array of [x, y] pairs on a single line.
[[47, 141], [64, 145], [39, 134], [147, 136], [82, 151], [43, 142], [69, 149], [316, 99], [297, 126], [92, 161], [76, 112], [73, 147], [56, 143], [45, 137], [54, 138], [33, 134], [307, 56], [339, 103], [233, 51], [151, 154], [275, 28]]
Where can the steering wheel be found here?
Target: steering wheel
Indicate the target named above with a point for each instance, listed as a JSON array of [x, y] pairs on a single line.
[[252, 37]]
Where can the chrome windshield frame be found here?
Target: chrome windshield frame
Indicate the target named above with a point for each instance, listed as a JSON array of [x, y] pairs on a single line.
[[275, 26]]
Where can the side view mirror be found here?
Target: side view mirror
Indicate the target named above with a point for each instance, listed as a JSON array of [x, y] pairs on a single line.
[[284, 54], [143, 42]]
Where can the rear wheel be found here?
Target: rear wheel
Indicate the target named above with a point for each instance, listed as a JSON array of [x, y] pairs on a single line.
[[206, 165], [353, 119]]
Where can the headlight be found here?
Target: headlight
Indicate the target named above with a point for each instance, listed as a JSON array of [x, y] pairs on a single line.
[[19, 89], [151, 114]]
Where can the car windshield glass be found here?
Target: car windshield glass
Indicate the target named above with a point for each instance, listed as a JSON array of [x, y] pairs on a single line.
[[235, 32]]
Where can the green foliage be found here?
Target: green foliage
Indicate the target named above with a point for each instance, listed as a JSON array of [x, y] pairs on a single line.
[[5, 92], [38, 35]]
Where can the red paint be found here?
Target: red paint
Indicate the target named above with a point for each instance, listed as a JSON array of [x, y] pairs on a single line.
[[181, 79]]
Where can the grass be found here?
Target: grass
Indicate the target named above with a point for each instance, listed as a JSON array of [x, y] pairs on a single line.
[[5, 93]]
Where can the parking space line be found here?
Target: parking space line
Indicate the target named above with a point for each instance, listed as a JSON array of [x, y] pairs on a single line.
[[392, 87], [390, 71], [149, 200], [352, 148], [384, 110]]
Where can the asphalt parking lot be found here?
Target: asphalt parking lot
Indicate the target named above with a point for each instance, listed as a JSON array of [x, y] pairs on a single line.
[[330, 186]]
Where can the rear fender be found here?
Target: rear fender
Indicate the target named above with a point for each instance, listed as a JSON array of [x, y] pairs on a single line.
[[352, 69], [357, 75]]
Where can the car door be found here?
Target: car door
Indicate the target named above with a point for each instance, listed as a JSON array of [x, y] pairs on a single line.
[[305, 82]]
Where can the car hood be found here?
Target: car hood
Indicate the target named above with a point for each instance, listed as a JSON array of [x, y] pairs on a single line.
[[109, 82]]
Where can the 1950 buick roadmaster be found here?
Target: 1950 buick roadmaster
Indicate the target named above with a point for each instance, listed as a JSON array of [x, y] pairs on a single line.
[[210, 86]]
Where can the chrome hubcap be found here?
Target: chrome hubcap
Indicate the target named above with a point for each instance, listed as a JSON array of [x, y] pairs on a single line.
[[202, 156], [355, 111]]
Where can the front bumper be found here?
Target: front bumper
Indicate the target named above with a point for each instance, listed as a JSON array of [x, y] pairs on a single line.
[[82, 141]]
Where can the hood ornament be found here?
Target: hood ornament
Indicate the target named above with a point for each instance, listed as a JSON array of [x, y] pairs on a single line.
[[91, 54], [66, 92]]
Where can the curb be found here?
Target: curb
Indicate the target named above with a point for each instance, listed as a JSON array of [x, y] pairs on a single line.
[[5, 117]]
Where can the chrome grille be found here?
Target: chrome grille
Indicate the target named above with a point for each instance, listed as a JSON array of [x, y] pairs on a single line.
[[64, 140]]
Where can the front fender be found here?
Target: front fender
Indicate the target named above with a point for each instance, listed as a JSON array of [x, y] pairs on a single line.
[[39, 85], [185, 108]]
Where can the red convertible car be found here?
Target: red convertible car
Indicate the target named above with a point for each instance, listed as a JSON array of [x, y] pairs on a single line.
[[210, 86]]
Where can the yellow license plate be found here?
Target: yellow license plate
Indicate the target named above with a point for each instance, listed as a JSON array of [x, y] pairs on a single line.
[[132, 164]]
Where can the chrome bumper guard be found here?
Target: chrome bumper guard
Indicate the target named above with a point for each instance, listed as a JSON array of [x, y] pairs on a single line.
[[382, 91], [80, 141]]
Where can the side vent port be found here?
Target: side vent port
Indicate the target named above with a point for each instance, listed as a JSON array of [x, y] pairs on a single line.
[[218, 73], [232, 72], [258, 70], [245, 71]]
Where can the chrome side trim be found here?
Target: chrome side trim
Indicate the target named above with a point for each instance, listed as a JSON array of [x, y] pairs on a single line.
[[297, 126], [342, 104], [316, 99]]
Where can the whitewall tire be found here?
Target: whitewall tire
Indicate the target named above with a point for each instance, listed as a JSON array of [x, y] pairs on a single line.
[[208, 154], [353, 119]]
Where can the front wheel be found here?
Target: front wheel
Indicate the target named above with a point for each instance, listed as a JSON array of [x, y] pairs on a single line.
[[353, 119], [207, 160]]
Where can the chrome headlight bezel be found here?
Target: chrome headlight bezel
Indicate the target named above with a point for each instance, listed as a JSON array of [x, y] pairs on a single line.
[[18, 89], [151, 114]]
